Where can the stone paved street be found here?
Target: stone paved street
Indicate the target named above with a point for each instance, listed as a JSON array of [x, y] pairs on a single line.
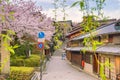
[[58, 69]]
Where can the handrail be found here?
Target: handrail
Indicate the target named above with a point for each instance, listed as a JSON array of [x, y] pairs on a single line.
[[35, 76]]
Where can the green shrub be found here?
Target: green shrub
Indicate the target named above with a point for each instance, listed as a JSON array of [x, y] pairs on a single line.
[[32, 61], [20, 73], [17, 62]]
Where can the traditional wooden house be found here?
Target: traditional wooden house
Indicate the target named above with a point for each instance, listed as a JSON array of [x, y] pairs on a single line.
[[76, 31], [110, 36]]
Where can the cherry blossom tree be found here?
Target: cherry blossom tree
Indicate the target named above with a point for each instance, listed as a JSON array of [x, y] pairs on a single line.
[[25, 17], [21, 17]]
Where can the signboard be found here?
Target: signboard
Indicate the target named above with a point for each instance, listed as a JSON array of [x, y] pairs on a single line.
[[40, 45], [41, 35], [41, 40]]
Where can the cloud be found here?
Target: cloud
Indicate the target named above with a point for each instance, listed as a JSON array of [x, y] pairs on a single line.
[[76, 16], [72, 14], [113, 14]]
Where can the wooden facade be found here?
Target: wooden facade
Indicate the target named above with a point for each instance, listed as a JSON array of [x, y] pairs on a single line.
[[109, 53], [68, 55], [88, 58], [117, 64], [109, 71], [95, 63]]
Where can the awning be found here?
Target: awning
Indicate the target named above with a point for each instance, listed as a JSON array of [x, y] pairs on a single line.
[[113, 50], [74, 48]]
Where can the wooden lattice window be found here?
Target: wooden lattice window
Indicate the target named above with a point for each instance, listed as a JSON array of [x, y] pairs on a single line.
[[88, 58]]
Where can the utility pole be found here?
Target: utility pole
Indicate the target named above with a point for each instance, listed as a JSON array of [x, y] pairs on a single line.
[[41, 40], [41, 64]]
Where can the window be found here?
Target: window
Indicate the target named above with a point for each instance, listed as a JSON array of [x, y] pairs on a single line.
[[110, 38], [75, 44], [88, 58], [104, 38], [116, 39]]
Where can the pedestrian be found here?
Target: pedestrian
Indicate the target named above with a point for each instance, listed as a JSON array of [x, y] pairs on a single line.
[[63, 56]]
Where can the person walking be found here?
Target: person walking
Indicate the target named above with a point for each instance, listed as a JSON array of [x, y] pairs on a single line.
[[63, 56]]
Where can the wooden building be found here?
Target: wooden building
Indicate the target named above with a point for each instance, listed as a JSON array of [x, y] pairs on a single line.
[[109, 52]]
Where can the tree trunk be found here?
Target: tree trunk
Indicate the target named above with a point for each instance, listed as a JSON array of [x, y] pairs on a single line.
[[5, 59]]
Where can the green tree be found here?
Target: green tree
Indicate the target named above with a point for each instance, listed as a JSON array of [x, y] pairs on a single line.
[[89, 25]]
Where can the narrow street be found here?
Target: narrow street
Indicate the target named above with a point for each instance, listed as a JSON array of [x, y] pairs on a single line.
[[58, 69]]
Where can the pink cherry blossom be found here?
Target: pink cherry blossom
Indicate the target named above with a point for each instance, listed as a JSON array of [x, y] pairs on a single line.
[[27, 18]]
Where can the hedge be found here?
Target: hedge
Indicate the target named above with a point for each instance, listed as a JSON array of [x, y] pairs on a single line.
[[20, 73], [33, 61]]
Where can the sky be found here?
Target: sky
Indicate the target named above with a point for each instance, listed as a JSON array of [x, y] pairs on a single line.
[[111, 9]]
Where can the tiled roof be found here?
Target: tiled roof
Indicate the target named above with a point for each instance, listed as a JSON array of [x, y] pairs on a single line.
[[106, 29], [113, 50], [74, 48], [74, 32], [79, 28]]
